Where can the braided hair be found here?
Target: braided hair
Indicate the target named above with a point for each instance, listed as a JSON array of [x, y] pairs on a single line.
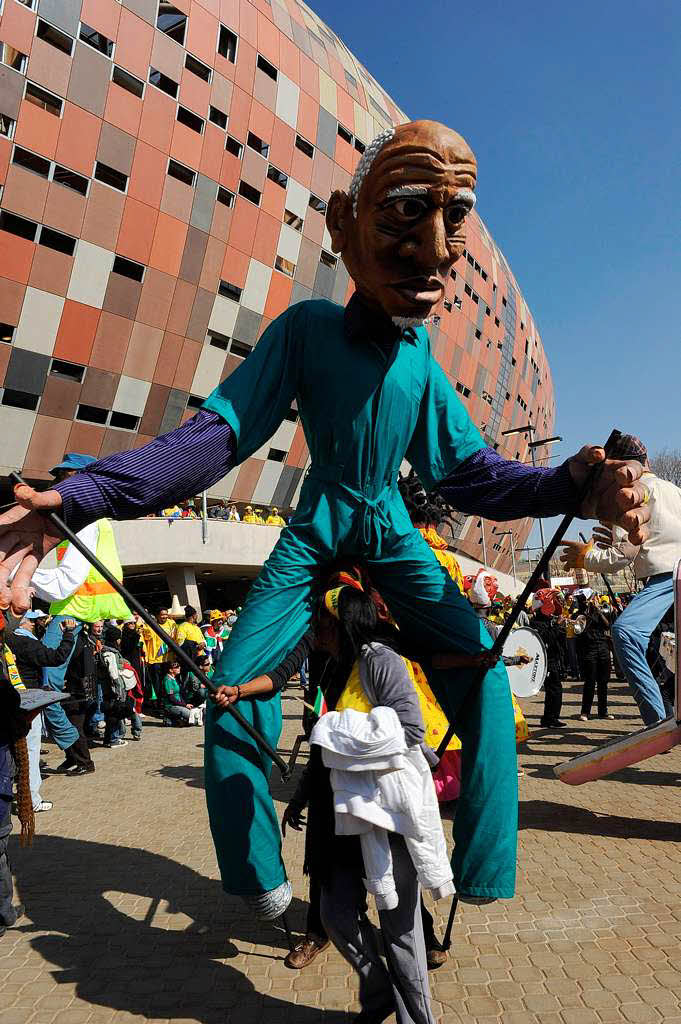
[[425, 508]]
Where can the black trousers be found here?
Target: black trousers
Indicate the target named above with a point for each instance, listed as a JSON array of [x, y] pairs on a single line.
[[553, 697], [78, 754], [596, 673]]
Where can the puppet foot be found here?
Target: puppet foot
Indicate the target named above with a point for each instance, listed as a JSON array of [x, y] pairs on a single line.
[[270, 905]]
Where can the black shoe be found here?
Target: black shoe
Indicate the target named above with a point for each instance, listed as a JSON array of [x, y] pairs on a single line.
[[555, 723], [82, 769], [63, 769]]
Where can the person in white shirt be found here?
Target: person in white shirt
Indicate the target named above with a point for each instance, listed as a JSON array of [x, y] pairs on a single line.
[[653, 563]]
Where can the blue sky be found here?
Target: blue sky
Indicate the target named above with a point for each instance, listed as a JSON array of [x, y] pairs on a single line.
[[573, 111]]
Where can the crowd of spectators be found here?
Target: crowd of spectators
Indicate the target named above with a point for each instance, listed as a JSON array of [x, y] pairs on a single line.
[[117, 674], [230, 512]]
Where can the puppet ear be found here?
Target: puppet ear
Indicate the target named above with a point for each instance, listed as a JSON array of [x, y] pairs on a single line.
[[339, 220]]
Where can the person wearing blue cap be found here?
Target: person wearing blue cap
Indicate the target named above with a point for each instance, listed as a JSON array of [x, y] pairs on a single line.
[[76, 591]]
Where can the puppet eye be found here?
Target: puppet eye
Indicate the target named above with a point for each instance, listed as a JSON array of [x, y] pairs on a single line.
[[456, 213], [410, 207]]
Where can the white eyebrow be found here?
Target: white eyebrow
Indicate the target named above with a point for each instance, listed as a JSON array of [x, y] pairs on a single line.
[[407, 190], [466, 195]]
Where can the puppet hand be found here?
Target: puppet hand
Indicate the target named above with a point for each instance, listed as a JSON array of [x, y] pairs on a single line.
[[617, 493], [573, 554], [25, 538], [293, 816], [602, 536]]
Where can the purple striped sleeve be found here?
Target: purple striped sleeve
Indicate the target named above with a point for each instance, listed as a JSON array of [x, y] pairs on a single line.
[[487, 485], [168, 469]]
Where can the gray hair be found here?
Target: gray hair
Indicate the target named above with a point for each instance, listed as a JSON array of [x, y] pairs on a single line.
[[364, 165]]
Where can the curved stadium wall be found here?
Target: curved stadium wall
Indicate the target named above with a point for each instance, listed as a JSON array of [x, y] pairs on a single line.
[[165, 170]]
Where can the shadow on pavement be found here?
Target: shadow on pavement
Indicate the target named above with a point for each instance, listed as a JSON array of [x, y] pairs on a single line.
[[553, 817], [113, 908]]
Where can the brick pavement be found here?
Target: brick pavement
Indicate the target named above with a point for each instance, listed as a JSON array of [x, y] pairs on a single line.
[[127, 922]]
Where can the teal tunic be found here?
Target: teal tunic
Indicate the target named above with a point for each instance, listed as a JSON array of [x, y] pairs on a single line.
[[364, 409]]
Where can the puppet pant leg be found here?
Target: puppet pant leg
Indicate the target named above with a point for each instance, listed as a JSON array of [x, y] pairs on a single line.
[[242, 817], [435, 616]]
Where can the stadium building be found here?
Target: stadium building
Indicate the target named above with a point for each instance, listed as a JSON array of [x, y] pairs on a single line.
[[165, 169]]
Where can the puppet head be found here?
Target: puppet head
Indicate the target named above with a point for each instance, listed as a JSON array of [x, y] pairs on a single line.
[[401, 225]]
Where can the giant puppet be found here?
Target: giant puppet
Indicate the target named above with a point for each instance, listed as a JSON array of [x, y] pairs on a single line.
[[370, 394]]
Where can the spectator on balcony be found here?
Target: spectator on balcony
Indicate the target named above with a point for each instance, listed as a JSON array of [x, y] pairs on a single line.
[[218, 510], [252, 517], [233, 515], [274, 519], [172, 512]]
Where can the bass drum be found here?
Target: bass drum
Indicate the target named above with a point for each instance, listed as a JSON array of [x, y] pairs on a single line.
[[526, 680]]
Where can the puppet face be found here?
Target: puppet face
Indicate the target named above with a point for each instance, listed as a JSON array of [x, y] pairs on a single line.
[[410, 222]]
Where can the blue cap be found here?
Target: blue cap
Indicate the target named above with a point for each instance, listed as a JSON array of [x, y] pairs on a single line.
[[73, 460], [35, 613]]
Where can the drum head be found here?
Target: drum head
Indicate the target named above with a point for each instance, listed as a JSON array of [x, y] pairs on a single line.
[[526, 680]]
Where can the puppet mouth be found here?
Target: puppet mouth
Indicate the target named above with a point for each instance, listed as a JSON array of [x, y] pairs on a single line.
[[420, 290]]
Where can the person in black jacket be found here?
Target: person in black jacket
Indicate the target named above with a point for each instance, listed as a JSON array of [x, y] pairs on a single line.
[[543, 623], [32, 656], [81, 683], [594, 657]]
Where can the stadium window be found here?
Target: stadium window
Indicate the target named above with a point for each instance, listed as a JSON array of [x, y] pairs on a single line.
[[20, 399], [234, 147], [327, 259], [267, 68], [70, 371], [217, 116], [184, 174], [92, 414], [128, 268], [44, 99], [304, 146], [218, 340], [448, 306], [13, 58], [249, 193], [197, 67], [452, 274], [293, 220], [317, 204], [95, 39], [457, 302], [195, 402], [240, 348], [31, 161], [229, 291], [110, 176], [344, 134], [277, 176], [57, 240], [190, 120], [468, 290], [488, 311], [125, 80], [496, 321], [7, 333], [163, 83], [255, 143], [171, 21], [124, 421], [469, 258], [64, 176], [284, 266], [276, 455], [225, 197], [227, 44], [503, 300], [478, 334], [359, 146], [7, 126], [49, 34], [16, 225]]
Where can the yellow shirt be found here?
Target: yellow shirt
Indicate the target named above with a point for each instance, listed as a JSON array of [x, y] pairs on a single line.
[[189, 631], [275, 521], [156, 652]]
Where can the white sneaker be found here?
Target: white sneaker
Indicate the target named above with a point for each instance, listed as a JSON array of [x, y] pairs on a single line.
[[44, 805]]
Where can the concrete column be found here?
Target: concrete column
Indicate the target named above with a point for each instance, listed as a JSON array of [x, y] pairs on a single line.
[[182, 582]]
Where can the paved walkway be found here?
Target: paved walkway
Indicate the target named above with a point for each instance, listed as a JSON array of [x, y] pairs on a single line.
[[127, 922]]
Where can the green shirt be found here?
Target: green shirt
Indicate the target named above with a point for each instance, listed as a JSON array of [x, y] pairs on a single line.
[[170, 687]]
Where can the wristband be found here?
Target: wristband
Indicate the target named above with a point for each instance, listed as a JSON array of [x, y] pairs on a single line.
[[238, 693]]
